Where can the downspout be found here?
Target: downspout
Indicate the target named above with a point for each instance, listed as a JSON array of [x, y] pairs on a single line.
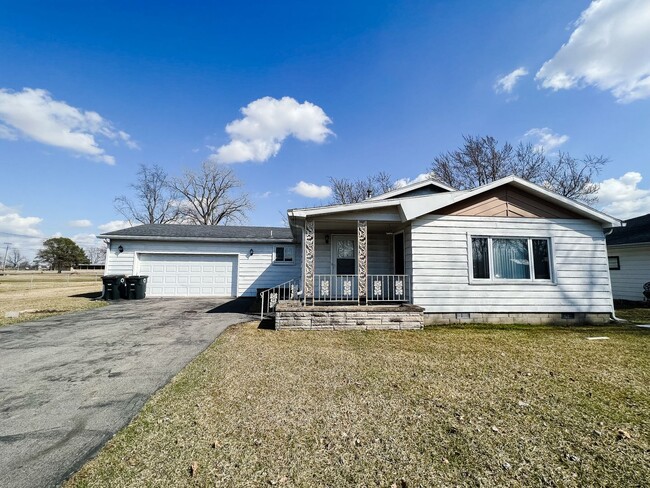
[[609, 277]]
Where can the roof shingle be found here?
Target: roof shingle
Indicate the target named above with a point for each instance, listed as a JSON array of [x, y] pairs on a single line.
[[212, 232], [636, 231]]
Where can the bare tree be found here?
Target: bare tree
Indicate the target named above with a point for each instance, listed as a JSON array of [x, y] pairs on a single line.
[[353, 191], [154, 201], [211, 196], [15, 259], [482, 160], [574, 178], [96, 254]]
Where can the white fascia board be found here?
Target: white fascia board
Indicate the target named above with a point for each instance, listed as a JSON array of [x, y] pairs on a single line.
[[458, 196], [334, 209], [411, 187], [565, 202]]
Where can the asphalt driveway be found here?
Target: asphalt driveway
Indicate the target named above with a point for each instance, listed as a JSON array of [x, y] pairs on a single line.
[[69, 383]]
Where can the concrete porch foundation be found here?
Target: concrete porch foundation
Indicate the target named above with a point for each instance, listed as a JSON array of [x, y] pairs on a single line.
[[292, 315]]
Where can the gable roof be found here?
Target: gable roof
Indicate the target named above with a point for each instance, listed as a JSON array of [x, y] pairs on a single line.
[[438, 185], [636, 231], [413, 207], [220, 233]]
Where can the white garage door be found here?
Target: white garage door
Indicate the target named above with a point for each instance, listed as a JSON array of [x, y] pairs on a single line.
[[178, 275]]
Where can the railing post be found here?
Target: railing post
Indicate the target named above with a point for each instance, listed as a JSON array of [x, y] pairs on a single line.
[[310, 248], [362, 261]]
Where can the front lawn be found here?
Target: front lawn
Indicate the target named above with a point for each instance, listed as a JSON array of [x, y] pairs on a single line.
[[42, 294], [467, 405]]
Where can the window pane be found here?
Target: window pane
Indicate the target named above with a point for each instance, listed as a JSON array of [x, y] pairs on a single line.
[[345, 249], [480, 258], [279, 253], [614, 262], [288, 253], [541, 259], [511, 259]]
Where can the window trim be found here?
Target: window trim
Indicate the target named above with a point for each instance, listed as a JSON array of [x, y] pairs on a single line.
[[497, 281], [284, 263], [618, 263]]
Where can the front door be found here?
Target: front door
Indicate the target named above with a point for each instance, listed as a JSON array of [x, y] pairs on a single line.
[[344, 254]]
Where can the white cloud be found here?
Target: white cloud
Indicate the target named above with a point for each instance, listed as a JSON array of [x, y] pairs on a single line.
[[267, 122], [34, 114], [114, 225], [609, 49], [20, 232], [12, 223], [80, 223], [622, 197], [7, 133], [310, 190], [545, 139], [407, 181], [86, 240], [507, 83]]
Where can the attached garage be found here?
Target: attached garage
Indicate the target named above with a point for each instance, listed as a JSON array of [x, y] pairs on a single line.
[[179, 275], [204, 260]]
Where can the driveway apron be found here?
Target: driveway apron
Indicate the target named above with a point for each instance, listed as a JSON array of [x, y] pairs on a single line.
[[69, 383]]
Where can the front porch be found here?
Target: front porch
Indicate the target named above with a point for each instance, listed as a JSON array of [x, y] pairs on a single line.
[[354, 276], [359, 261]]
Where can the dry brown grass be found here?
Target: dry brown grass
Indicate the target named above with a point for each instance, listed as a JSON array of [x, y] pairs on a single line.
[[471, 405], [41, 295]]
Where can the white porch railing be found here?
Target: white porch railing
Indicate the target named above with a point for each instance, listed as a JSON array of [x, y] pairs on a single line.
[[270, 297], [345, 288]]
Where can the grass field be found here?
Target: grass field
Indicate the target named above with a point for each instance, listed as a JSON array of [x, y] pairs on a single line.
[[447, 406], [42, 294]]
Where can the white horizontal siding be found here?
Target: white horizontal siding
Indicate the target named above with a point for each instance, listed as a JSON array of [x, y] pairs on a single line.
[[627, 282], [441, 271], [253, 272]]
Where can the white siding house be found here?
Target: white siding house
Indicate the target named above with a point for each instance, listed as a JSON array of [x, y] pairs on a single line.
[[504, 252], [509, 251], [629, 258]]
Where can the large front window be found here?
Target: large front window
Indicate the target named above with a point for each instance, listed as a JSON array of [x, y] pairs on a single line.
[[511, 258]]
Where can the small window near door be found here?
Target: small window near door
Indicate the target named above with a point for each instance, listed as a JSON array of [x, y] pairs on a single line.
[[614, 262], [283, 255], [345, 257]]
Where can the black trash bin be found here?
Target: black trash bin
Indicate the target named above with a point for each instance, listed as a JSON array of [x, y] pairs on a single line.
[[136, 287], [113, 286]]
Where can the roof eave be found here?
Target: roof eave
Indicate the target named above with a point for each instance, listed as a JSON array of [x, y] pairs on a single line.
[[198, 239]]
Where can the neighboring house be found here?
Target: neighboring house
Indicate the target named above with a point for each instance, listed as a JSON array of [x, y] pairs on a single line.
[[509, 251], [628, 249]]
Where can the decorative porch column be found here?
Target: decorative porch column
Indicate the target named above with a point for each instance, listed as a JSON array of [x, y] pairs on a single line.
[[362, 260], [310, 242]]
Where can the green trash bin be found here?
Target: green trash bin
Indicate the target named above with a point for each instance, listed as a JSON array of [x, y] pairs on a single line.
[[136, 287], [114, 286]]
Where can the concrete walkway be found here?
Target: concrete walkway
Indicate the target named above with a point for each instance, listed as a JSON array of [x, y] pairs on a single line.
[[69, 383]]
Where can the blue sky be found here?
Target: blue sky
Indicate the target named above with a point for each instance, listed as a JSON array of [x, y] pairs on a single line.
[[375, 86]]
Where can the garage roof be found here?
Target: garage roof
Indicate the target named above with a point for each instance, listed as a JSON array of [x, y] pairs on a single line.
[[203, 232], [636, 231]]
